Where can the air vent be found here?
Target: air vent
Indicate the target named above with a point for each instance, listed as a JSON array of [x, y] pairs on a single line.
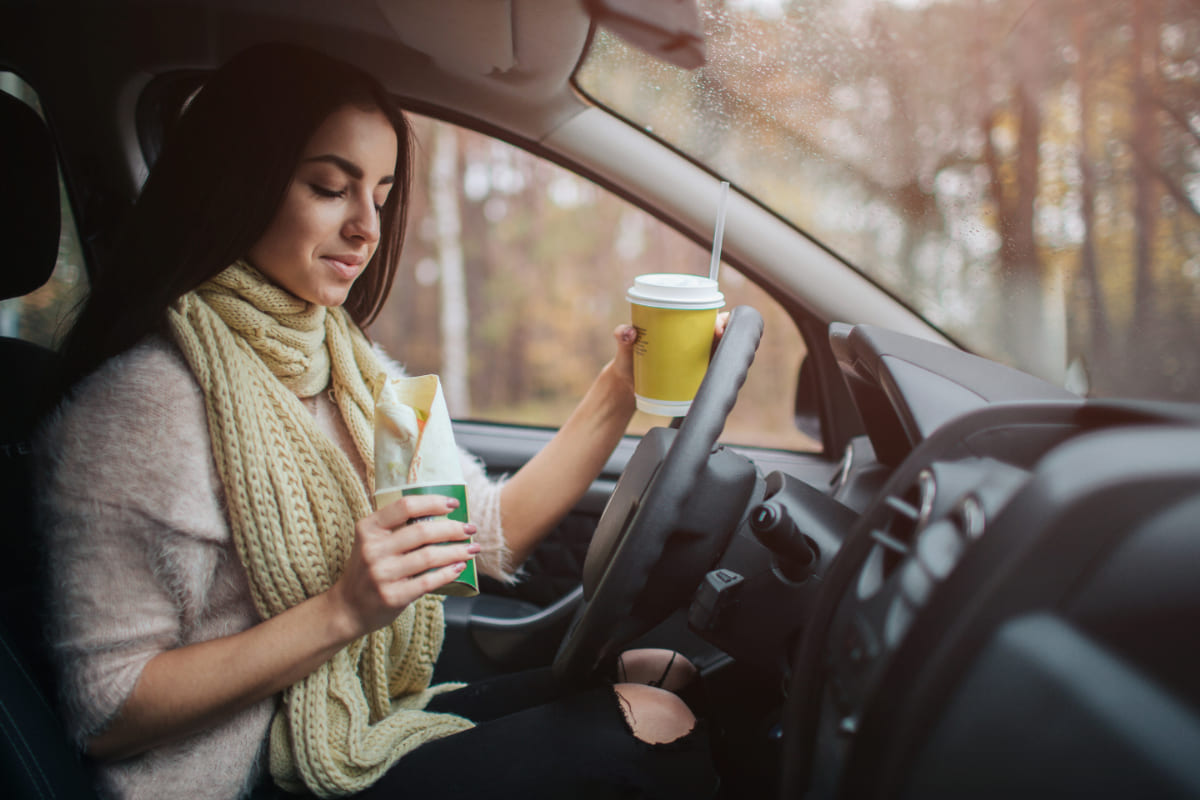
[[909, 512], [896, 532]]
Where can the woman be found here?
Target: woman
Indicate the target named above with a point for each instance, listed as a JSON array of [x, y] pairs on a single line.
[[229, 598]]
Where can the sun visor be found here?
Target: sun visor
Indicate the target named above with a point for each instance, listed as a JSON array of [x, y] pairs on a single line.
[[464, 37]]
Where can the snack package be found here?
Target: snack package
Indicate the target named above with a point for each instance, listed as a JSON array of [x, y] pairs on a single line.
[[415, 453]]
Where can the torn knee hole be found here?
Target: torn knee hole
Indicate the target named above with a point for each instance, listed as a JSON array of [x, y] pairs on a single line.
[[654, 716]]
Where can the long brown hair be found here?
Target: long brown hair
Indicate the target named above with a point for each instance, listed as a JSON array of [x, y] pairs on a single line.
[[221, 175]]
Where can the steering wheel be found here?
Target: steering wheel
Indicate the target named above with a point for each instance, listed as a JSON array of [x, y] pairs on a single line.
[[669, 518]]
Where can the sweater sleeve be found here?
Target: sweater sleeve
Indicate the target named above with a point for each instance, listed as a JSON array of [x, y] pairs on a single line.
[[135, 533], [483, 503], [483, 506]]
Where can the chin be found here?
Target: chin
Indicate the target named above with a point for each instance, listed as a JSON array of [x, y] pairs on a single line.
[[329, 296], [332, 299]]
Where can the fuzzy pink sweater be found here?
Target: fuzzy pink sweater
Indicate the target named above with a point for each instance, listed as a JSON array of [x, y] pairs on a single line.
[[142, 561]]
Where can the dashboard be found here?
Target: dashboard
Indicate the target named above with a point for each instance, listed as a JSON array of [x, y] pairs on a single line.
[[996, 596]]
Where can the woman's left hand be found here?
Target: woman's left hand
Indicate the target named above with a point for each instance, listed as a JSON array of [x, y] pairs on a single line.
[[622, 364], [626, 336], [548, 486]]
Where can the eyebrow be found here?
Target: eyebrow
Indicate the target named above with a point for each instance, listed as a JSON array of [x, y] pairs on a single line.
[[348, 167]]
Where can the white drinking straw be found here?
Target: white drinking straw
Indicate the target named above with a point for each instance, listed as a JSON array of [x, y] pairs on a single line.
[[719, 234]]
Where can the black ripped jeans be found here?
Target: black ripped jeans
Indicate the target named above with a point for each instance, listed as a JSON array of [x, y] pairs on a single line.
[[535, 738]]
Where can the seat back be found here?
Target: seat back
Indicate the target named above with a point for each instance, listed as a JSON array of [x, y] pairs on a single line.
[[30, 220], [36, 758]]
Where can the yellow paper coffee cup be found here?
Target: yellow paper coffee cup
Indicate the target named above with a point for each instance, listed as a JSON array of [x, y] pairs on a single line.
[[467, 582], [674, 316]]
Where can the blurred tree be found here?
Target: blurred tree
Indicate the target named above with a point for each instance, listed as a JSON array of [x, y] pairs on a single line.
[[1144, 65], [443, 190], [1013, 182], [1089, 308], [546, 258]]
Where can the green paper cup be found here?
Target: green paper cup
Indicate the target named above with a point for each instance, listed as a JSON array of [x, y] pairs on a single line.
[[467, 582], [674, 316]]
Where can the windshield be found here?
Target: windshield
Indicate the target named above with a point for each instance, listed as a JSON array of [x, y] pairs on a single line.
[[1025, 174]]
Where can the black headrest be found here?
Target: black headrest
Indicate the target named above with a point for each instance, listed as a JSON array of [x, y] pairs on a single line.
[[29, 211]]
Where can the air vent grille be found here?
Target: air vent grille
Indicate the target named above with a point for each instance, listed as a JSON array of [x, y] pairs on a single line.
[[896, 532]]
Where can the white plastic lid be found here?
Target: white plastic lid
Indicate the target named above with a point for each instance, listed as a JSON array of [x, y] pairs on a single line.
[[675, 290]]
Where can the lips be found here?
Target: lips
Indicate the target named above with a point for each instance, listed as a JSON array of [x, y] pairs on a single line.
[[347, 265]]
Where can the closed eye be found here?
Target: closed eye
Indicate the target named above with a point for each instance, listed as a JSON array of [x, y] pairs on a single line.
[[324, 191]]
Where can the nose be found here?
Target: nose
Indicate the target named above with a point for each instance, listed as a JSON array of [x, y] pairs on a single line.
[[362, 222]]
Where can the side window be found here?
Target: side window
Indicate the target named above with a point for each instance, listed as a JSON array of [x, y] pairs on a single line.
[[514, 275], [42, 317]]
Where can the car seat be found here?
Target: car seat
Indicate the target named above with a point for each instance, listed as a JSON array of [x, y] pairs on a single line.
[[36, 758]]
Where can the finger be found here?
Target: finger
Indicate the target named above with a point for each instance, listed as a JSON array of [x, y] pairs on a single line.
[[722, 321], [625, 335], [424, 584], [441, 577], [622, 363], [408, 538], [417, 562], [719, 330], [406, 509]]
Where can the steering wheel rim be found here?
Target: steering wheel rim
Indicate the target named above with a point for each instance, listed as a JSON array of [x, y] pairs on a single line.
[[639, 519]]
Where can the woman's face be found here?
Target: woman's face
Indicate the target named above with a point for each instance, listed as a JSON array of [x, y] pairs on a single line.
[[327, 227]]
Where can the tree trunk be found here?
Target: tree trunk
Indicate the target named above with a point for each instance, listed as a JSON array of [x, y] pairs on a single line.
[[1091, 307], [443, 188], [1022, 318], [1146, 16]]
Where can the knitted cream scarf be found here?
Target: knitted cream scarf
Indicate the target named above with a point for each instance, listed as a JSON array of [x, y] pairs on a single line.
[[293, 499]]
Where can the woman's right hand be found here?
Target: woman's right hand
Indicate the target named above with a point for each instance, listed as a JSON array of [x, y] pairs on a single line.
[[392, 563], [186, 689]]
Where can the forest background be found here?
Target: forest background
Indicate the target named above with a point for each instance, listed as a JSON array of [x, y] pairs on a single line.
[[1024, 173]]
